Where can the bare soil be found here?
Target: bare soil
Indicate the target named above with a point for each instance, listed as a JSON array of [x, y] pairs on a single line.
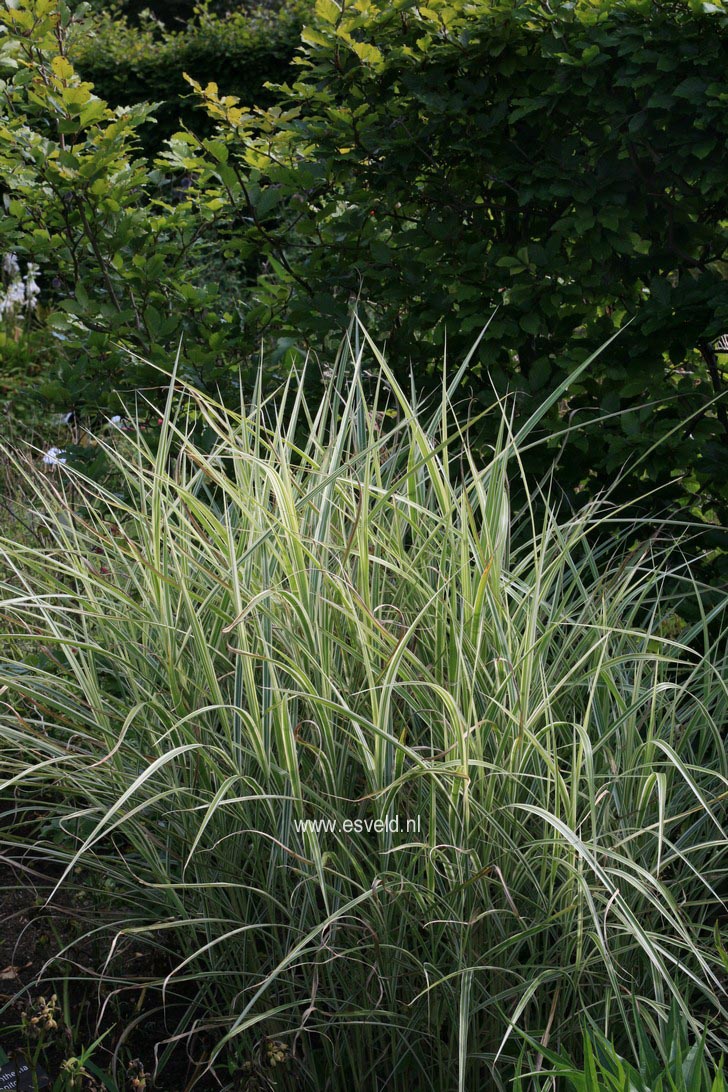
[[32, 934]]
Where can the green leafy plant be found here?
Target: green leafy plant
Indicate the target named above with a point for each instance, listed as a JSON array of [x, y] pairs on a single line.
[[47, 1035], [565, 162], [123, 261], [676, 1065], [380, 770]]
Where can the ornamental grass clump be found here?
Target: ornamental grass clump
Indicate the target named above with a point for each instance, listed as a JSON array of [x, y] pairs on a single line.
[[382, 771]]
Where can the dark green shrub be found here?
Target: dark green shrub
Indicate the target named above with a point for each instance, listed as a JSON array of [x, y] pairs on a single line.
[[173, 12], [144, 62], [566, 162]]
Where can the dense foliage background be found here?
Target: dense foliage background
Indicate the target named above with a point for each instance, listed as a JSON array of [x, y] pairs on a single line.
[[132, 60], [563, 163]]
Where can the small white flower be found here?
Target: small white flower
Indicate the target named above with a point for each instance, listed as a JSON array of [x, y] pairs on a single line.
[[10, 265], [16, 292], [117, 421], [54, 456], [14, 297], [32, 291]]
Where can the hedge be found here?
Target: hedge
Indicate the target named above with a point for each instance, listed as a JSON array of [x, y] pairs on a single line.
[[130, 63]]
